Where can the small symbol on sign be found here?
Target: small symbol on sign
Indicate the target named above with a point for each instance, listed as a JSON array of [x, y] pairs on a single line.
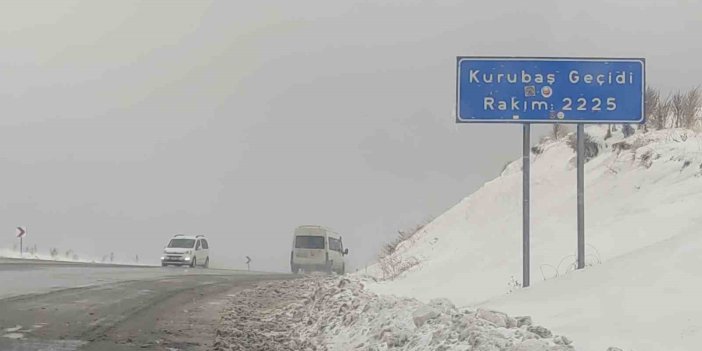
[[529, 90], [546, 91], [560, 115]]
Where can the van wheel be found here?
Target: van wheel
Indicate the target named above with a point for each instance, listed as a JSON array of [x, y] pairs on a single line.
[[207, 262], [193, 263], [295, 269]]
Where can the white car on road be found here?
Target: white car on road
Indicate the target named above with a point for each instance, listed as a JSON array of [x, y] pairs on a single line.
[[186, 250]]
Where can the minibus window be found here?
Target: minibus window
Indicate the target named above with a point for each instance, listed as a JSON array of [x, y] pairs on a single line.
[[309, 242]]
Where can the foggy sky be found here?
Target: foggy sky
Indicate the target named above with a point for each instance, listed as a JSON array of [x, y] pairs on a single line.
[[125, 122]]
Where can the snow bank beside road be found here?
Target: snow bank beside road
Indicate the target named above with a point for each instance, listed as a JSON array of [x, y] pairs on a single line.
[[339, 314], [352, 318], [648, 300]]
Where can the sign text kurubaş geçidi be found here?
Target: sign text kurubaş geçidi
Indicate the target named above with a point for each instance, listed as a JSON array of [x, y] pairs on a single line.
[[562, 90]]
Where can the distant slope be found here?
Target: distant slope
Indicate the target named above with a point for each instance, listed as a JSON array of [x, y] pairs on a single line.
[[640, 192]]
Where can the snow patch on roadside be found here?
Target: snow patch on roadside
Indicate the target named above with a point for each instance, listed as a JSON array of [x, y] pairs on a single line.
[[13, 336], [340, 314], [13, 329], [8, 253]]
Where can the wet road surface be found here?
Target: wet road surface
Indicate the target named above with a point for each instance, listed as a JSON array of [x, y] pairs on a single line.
[[48, 306]]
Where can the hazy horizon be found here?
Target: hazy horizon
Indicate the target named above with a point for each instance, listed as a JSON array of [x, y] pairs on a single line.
[[127, 122]]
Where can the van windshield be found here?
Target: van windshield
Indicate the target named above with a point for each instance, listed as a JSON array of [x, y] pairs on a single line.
[[309, 242], [181, 243]]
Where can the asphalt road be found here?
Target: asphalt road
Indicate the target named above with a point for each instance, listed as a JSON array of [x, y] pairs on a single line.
[[62, 307]]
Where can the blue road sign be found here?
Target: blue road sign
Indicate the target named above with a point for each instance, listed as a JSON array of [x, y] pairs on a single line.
[[550, 90]]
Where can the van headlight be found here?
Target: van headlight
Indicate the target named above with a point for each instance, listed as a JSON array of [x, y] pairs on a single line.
[[187, 258]]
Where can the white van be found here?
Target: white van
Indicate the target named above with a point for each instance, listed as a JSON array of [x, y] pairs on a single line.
[[317, 248]]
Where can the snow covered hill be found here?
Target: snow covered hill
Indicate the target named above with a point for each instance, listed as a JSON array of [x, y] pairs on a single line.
[[643, 204]]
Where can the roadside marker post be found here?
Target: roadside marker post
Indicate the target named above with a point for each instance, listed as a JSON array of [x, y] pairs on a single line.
[[21, 232], [550, 90]]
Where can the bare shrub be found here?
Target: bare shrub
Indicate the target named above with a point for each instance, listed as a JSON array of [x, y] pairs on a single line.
[[661, 114], [537, 150], [554, 271], [685, 165], [621, 146], [592, 149], [647, 158], [393, 266], [685, 107], [677, 106], [402, 235], [627, 130], [692, 103], [559, 131], [569, 263], [652, 101]]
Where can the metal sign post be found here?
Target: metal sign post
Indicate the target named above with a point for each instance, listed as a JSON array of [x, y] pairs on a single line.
[[526, 156], [550, 90], [580, 135]]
